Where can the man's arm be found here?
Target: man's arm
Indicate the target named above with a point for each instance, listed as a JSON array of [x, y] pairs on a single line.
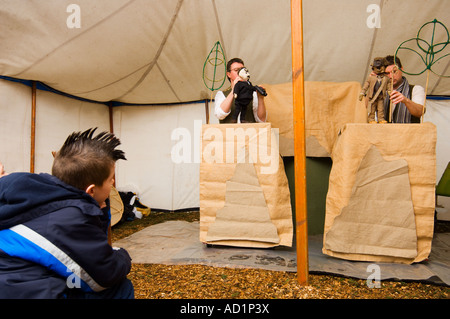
[[261, 111], [415, 108], [226, 104], [219, 98]]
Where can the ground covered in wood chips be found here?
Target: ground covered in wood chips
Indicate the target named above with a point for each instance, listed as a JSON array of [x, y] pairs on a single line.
[[155, 281]]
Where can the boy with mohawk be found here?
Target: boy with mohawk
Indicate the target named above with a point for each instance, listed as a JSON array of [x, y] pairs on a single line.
[[53, 232]]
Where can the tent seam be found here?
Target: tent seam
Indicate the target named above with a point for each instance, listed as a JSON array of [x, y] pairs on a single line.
[[158, 53], [71, 39], [219, 28]]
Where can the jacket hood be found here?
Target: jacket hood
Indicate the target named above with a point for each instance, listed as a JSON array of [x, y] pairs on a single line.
[[25, 196]]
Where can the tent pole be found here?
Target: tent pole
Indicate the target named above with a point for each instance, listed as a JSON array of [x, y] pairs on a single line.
[[111, 130], [33, 126], [207, 110], [111, 122], [424, 102], [299, 142]]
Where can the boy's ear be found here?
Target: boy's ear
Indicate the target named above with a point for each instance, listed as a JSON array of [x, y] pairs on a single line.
[[90, 190]]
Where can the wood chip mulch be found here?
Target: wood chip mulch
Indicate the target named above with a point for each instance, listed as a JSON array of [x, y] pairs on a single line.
[[156, 281]]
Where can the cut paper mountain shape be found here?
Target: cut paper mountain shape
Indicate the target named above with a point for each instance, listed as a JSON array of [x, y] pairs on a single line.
[[379, 218], [245, 215]]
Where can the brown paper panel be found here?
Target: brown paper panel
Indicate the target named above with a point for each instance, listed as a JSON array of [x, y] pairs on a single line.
[[414, 143], [245, 215], [379, 218], [218, 182]]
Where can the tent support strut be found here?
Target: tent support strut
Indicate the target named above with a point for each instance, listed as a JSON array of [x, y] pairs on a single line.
[[33, 127], [207, 111], [111, 130], [299, 142]]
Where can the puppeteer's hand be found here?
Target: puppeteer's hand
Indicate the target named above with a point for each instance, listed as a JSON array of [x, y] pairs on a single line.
[[397, 97], [236, 80], [261, 91]]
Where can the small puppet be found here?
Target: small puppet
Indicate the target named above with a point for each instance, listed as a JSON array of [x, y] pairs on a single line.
[[376, 90], [243, 95]]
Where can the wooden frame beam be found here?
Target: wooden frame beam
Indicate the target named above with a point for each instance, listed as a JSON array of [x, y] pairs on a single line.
[[33, 127], [299, 142]]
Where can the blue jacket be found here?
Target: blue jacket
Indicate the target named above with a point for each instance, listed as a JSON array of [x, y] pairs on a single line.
[[53, 238]]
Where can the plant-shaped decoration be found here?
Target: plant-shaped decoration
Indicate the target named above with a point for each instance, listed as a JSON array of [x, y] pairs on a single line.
[[214, 71], [429, 52], [214, 68]]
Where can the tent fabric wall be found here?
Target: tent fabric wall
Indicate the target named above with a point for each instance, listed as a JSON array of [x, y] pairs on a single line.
[[438, 113], [341, 45], [146, 51], [151, 51], [150, 170], [145, 133], [15, 128], [56, 117]]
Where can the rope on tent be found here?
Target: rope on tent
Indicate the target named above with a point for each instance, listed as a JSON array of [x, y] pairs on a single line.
[[213, 77], [430, 49]]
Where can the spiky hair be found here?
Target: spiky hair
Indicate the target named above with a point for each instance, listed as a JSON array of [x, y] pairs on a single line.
[[104, 142], [86, 159]]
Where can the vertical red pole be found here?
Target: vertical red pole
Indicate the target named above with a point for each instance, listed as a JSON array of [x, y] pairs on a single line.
[[111, 130], [33, 126], [299, 142]]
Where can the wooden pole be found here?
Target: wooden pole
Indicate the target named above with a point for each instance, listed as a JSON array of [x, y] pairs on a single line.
[[426, 90], [111, 118], [207, 110], [299, 142], [111, 130], [33, 126], [394, 70]]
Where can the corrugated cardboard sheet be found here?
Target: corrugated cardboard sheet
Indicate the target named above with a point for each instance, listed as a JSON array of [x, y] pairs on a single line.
[[368, 211], [231, 170]]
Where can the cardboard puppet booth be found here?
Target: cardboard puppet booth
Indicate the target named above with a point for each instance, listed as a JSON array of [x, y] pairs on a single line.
[[244, 193], [381, 198], [381, 189], [381, 192]]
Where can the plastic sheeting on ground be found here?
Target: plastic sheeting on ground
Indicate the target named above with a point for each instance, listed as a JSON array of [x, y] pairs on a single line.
[[176, 242]]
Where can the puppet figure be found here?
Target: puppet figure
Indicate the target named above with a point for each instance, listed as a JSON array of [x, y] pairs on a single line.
[[376, 90], [243, 95]]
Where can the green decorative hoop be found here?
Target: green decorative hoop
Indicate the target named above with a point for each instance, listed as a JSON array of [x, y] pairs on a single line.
[[215, 58], [429, 48]]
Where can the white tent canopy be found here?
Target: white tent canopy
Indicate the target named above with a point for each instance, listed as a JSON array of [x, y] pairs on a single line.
[[153, 52], [150, 51], [141, 51]]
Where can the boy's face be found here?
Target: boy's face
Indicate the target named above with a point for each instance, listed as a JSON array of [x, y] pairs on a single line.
[[101, 192]]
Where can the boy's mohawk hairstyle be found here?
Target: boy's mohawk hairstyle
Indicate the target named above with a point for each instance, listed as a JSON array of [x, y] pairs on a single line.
[[104, 140]]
